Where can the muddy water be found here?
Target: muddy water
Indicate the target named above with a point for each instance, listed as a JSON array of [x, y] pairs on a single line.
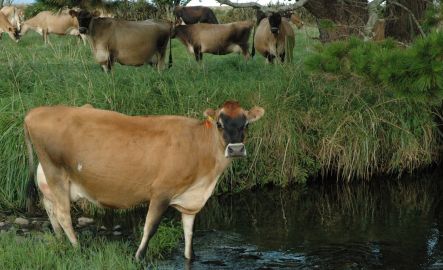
[[382, 225]]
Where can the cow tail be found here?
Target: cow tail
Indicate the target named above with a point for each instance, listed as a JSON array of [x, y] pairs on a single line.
[[170, 47], [31, 188], [253, 45]]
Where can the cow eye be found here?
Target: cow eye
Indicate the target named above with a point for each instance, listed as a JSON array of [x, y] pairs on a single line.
[[219, 125]]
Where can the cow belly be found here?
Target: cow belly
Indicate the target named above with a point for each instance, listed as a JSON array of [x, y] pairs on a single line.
[[194, 198]]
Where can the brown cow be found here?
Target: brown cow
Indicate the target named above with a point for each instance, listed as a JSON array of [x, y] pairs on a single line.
[[6, 26], [274, 37], [15, 16], [215, 38], [46, 23], [121, 161], [127, 42], [196, 14]]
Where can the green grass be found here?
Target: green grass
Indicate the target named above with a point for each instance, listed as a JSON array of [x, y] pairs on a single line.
[[314, 124], [45, 251]]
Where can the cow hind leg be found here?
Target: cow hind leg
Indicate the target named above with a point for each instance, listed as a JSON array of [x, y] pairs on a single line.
[[47, 200], [61, 201], [155, 212]]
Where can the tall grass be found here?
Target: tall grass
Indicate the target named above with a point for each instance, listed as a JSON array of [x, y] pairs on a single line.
[[314, 124]]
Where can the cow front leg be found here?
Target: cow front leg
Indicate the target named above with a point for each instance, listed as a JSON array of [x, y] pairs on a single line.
[[155, 212], [188, 228]]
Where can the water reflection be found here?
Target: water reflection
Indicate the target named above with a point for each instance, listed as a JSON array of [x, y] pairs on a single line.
[[389, 224]]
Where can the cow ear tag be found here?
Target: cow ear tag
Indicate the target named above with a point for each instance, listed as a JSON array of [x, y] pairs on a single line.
[[208, 122]]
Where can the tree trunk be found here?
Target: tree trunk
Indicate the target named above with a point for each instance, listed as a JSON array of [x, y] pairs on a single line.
[[339, 19], [400, 23]]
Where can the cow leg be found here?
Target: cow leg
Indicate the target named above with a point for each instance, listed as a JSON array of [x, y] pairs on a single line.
[[45, 36], [63, 209], [245, 52], [198, 54], [61, 202], [188, 226], [49, 207], [156, 209], [83, 38], [270, 58], [47, 200], [282, 57]]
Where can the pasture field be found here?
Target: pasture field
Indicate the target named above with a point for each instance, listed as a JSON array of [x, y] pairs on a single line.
[[314, 125]]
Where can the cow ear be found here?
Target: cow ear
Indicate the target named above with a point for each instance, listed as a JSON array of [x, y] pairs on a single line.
[[254, 114], [73, 13], [209, 113]]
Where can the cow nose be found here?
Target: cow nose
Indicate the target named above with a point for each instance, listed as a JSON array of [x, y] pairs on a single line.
[[83, 30], [274, 30], [235, 150]]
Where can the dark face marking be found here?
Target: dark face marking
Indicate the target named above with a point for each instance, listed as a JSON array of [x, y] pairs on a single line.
[[274, 22], [84, 19], [234, 128]]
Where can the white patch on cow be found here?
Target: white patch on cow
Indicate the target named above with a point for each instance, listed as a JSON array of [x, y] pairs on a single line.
[[39, 30], [78, 192], [234, 48], [79, 167], [101, 55], [190, 48], [195, 197], [72, 31]]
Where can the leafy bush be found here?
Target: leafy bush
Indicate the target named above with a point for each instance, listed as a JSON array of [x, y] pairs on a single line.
[[414, 72]]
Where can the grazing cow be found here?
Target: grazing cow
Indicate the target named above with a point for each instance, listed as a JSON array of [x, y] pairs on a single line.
[[6, 26], [274, 37], [121, 161], [46, 23], [215, 38], [196, 14], [15, 16], [127, 42]]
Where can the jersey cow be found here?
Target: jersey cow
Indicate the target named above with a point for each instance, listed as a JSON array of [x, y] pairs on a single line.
[[15, 15], [6, 26], [274, 38], [121, 161], [215, 38], [196, 14], [126, 42], [46, 23]]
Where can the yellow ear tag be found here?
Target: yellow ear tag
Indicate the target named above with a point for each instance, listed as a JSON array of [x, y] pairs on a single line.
[[208, 122]]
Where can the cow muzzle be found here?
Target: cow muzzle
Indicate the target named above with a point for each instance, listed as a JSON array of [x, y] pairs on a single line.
[[83, 30], [235, 150], [274, 30]]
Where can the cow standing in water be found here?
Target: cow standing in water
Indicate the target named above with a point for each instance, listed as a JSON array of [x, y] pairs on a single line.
[[46, 23], [193, 15], [216, 39], [121, 161], [126, 42]]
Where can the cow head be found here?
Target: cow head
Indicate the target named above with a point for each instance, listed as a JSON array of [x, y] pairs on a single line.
[[274, 22], [232, 122], [13, 33], [84, 18]]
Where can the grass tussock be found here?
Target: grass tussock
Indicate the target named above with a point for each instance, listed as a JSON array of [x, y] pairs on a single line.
[[314, 124]]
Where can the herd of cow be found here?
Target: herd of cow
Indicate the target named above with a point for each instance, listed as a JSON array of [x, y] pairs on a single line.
[[121, 161], [145, 42]]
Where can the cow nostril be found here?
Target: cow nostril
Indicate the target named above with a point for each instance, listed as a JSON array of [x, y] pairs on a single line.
[[230, 150]]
